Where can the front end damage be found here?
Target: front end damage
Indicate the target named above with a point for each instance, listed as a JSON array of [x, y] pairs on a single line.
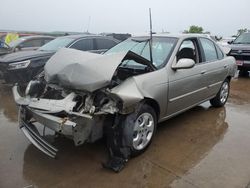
[[77, 108], [80, 117]]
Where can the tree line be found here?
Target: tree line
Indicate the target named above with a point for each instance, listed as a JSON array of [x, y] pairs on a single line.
[[199, 29]]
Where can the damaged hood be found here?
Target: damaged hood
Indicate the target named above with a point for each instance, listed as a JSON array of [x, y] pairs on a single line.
[[80, 70]]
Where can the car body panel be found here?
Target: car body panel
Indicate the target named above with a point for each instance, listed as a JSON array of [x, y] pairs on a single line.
[[79, 70], [86, 70]]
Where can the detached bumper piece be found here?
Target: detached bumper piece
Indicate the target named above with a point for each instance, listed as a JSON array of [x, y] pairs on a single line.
[[115, 163], [119, 154], [36, 139]]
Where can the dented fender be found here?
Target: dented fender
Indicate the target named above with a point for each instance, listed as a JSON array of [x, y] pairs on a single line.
[[129, 93]]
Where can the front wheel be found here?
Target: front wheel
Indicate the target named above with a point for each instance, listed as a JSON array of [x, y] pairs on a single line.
[[139, 129], [221, 98]]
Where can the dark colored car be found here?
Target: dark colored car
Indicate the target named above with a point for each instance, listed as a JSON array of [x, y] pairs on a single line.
[[24, 44], [240, 49], [21, 67]]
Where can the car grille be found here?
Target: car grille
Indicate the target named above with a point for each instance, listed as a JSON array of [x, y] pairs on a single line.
[[240, 54]]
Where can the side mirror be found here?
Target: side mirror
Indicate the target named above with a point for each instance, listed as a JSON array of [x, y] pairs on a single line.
[[184, 63]]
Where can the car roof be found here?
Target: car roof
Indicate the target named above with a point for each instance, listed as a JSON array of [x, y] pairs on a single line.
[[86, 36], [36, 36], [179, 36]]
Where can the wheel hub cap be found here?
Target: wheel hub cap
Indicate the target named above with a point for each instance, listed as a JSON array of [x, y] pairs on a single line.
[[224, 92], [143, 131]]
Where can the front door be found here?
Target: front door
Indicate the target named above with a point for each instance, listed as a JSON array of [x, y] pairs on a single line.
[[186, 86]]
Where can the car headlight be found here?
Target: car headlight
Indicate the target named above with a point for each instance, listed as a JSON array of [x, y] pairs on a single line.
[[19, 65], [34, 88], [27, 90]]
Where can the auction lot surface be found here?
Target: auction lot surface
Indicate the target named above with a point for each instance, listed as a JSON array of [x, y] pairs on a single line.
[[204, 147]]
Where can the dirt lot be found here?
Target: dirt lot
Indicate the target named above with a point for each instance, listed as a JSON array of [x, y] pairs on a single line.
[[204, 147]]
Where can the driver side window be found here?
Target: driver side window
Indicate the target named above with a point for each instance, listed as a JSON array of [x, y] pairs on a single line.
[[187, 50]]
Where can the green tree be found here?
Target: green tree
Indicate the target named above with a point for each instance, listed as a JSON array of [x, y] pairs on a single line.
[[240, 31], [194, 29]]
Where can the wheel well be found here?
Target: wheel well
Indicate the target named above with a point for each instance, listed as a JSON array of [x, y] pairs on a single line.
[[229, 78], [154, 105]]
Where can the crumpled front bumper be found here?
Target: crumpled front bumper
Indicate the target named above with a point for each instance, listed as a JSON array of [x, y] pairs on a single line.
[[79, 129], [31, 132]]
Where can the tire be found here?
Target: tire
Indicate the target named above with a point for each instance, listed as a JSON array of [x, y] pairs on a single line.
[[221, 98], [139, 129]]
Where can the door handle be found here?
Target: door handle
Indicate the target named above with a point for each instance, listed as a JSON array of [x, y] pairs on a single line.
[[203, 72]]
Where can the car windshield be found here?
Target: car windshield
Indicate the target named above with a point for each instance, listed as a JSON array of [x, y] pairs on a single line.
[[15, 43], [56, 44], [243, 39], [161, 49]]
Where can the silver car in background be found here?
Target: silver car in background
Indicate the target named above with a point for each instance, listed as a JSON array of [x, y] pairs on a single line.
[[123, 94]]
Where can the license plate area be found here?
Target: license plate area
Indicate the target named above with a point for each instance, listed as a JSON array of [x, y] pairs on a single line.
[[239, 62], [247, 62]]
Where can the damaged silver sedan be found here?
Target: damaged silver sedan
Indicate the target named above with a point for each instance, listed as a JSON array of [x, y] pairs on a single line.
[[123, 93]]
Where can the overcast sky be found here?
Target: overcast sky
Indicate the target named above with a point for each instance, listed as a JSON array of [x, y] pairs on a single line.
[[220, 17]]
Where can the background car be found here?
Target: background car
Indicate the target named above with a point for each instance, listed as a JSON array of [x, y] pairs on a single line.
[[25, 43], [23, 66], [240, 49]]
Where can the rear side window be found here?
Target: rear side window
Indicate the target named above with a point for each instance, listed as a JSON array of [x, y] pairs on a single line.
[[219, 52], [84, 45], [209, 49], [46, 40], [32, 43], [104, 43]]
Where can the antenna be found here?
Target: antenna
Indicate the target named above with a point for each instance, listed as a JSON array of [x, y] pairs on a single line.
[[88, 24], [151, 37]]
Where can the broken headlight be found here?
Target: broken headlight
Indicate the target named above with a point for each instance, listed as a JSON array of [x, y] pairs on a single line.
[[34, 88]]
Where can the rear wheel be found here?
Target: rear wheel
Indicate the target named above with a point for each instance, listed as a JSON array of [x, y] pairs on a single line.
[[139, 129], [221, 98]]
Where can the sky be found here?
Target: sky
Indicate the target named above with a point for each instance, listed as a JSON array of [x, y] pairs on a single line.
[[220, 17]]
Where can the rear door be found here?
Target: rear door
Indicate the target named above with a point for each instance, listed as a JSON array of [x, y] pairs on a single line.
[[215, 67]]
